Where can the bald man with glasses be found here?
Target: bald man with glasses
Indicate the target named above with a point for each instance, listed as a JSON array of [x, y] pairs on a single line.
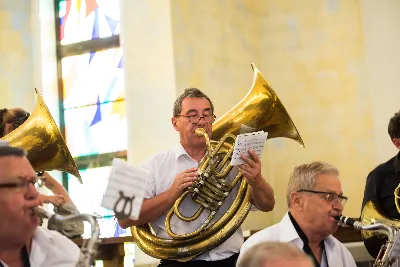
[[314, 198]]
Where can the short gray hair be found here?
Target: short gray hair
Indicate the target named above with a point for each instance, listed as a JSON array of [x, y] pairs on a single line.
[[189, 92], [303, 176], [264, 252], [7, 151]]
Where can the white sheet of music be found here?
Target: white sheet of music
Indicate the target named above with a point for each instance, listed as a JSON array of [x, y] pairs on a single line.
[[245, 142], [125, 189]]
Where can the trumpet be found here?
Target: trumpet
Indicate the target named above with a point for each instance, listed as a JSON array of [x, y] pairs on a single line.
[[390, 251], [89, 246]]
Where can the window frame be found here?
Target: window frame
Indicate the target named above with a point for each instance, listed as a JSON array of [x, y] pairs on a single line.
[[74, 49]]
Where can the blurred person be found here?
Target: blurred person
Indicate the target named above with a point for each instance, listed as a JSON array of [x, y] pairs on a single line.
[[275, 254], [314, 197], [22, 241], [11, 119]]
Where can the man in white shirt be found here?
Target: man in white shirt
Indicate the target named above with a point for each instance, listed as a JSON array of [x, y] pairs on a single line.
[[176, 169], [22, 242], [314, 198]]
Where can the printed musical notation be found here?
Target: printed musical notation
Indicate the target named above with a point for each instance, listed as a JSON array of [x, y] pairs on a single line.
[[245, 142], [125, 189]]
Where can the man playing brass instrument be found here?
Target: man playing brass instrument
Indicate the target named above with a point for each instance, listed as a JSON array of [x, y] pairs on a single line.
[[314, 198], [11, 119], [176, 169], [382, 182], [22, 242]]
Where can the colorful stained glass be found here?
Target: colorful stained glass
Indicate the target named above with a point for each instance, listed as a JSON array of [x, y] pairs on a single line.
[[94, 103], [96, 129], [82, 20], [93, 77]]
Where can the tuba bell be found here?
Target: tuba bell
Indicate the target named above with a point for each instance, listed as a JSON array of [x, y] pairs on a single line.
[[40, 137], [259, 110], [379, 233]]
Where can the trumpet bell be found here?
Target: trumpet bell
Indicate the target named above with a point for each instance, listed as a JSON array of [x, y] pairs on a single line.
[[40, 137], [259, 110]]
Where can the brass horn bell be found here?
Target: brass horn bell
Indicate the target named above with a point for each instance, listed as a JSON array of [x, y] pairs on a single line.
[[259, 110], [40, 137], [374, 240]]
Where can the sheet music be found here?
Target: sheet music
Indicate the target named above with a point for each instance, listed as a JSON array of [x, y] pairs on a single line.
[[125, 189], [245, 142]]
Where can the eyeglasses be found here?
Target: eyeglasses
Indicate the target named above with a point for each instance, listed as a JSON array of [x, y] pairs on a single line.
[[329, 196], [196, 118], [20, 187]]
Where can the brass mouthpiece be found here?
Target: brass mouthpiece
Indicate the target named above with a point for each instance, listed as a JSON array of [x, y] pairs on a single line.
[[42, 213], [200, 132]]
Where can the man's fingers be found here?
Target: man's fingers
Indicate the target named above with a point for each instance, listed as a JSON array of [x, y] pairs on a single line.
[[254, 156], [186, 185], [190, 174], [245, 173], [190, 170], [248, 160], [188, 179], [243, 167]]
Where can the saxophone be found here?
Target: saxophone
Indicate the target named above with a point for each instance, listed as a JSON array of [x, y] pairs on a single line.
[[89, 246], [390, 251]]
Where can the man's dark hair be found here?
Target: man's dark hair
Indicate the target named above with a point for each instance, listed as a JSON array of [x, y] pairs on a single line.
[[6, 151], [394, 126], [14, 116], [189, 92]]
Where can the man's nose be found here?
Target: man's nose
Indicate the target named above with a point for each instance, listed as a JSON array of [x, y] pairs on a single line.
[[32, 193], [202, 121], [338, 206]]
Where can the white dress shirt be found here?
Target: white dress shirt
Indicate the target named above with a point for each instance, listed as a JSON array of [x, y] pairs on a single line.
[[164, 167], [337, 254], [50, 248]]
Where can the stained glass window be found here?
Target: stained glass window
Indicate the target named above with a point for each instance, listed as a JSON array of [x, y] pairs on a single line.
[[93, 77], [82, 20], [102, 128], [93, 90], [93, 102]]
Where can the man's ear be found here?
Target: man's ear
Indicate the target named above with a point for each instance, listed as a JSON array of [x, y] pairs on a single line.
[[396, 142], [296, 201], [174, 122]]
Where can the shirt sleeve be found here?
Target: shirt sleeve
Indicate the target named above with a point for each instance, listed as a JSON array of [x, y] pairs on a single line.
[[150, 189]]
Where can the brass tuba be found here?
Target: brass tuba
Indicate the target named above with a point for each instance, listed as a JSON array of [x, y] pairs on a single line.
[[259, 110], [379, 233], [40, 137]]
